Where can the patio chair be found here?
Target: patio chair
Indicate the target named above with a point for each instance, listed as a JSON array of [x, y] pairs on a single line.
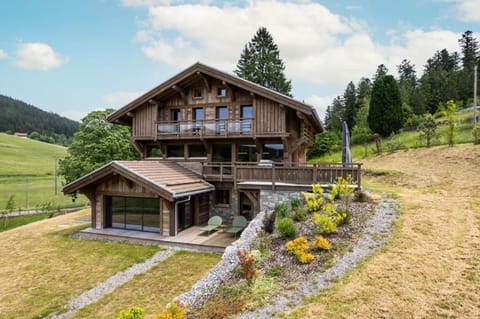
[[239, 223], [213, 223]]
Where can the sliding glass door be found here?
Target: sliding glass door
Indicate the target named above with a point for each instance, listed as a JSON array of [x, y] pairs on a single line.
[[133, 213]]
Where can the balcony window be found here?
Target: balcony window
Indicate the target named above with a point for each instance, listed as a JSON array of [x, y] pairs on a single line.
[[246, 153], [221, 92], [175, 150], [222, 152], [246, 114], [197, 150], [197, 93], [273, 152], [221, 115], [198, 114]]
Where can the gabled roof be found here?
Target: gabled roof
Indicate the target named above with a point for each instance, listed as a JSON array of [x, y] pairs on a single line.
[[197, 69], [165, 178]]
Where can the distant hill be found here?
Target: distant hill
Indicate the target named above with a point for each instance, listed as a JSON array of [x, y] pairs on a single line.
[[18, 116]]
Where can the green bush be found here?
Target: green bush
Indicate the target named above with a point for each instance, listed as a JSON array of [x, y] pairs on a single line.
[[132, 313], [296, 202], [282, 210], [275, 271], [299, 214], [287, 228]]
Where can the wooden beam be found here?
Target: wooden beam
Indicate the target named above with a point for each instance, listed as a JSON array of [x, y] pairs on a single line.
[[131, 114], [181, 92], [206, 81], [230, 91]]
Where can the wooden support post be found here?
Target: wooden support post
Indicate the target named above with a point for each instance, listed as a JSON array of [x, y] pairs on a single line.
[[181, 92]]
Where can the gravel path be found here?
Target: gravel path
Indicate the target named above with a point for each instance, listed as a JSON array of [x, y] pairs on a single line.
[[378, 230], [95, 294]]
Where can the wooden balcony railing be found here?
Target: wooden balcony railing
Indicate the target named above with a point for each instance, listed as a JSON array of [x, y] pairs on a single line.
[[288, 173], [227, 127]]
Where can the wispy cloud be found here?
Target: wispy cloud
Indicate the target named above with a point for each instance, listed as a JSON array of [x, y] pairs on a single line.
[[3, 55], [467, 10], [38, 56]]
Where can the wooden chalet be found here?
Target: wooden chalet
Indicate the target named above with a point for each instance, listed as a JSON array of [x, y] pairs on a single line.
[[209, 143]]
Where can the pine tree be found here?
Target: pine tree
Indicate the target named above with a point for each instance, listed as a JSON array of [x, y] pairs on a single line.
[[351, 105], [260, 63], [385, 115]]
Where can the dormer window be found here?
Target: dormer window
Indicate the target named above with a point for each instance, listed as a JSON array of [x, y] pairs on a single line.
[[197, 93], [221, 92]]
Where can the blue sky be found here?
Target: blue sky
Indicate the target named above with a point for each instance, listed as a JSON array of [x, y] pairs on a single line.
[[72, 57]]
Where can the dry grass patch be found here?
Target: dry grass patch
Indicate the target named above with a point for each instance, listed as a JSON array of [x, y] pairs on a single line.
[[43, 268], [154, 289], [430, 269]]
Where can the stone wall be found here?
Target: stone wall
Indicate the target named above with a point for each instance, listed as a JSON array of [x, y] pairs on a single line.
[[268, 198]]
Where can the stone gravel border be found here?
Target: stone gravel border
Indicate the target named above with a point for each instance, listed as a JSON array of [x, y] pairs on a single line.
[[108, 286]]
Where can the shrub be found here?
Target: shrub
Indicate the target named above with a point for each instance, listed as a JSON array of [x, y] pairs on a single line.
[[269, 222], [320, 243], [296, 202], [476, 135], [282, 210], [299, 248], [299, 214], [325, 223], [344, 189], [343, 218], [263, 242], [174, 310], [132, 313], [247, 265], [360, 196], [314, 201], [275, 271], [287, 228]]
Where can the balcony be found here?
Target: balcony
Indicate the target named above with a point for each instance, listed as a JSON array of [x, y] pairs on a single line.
[[206, 128], [272, 175]]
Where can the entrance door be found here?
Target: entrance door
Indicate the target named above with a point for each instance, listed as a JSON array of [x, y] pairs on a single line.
[[185, 216]]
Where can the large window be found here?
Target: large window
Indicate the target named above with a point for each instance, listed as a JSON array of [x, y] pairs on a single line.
[[246, 113], [175, 150], [134, 213], [273, 152], [221, 113], [196, 150], [222, 152], [198, 114], [246, 153], [176, 116]]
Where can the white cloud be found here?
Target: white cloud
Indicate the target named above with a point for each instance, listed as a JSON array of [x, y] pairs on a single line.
[[467, 10], [3, 55], [145, 3], [318, 46], [320, 103], [38, 56], [120, 98]]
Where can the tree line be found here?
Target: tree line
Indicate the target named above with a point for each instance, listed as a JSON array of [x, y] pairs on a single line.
[[386, 104], [18, 116]]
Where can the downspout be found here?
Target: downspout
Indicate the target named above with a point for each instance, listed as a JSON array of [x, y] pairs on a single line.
[[176, 210]]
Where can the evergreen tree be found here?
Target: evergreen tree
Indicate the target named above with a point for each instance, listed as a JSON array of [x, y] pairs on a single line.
[[351, 105], [385, 115], [382, 70], [260, 63], [470, 58], [335, 114]]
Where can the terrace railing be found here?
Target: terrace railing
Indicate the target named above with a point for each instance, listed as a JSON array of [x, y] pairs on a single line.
[[227, 127], [286, 173]]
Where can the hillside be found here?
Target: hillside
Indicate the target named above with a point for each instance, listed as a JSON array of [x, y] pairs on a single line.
[[18, 116], [429, 269], [26, 156]]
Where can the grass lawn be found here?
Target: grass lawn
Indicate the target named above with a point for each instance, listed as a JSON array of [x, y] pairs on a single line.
[[43, 268], [154, 289], [14, 222], [430, 268]]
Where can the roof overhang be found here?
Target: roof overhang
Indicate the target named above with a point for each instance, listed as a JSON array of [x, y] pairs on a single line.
[[200, 70]]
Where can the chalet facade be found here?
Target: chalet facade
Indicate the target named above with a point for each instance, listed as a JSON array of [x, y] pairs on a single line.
[[209, 143]]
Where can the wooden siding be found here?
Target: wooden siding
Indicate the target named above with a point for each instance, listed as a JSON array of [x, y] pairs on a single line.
[[269, 115], [144, 122], [166, 220], [120, 186], [204, 209]]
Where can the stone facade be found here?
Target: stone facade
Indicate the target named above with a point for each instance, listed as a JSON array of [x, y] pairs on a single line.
[[269, 198]]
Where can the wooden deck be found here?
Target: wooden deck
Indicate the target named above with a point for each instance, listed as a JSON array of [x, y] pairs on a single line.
[[191, 238], [272, 175]]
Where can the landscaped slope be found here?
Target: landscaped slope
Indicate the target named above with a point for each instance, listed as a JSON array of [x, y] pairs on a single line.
[[431, 266]]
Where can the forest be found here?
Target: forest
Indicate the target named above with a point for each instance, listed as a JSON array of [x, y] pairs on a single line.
[[384, 105], [18, 116]]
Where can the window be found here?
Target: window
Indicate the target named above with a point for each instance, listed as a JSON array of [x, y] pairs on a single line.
[[222, 197], [221, 92], [135, 213], [273, 152], [175, 150], [196, 150], [221, 115], [246, 153], [198, 114], [176, 115], [197, 93], [222, 152], [246, 114]]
